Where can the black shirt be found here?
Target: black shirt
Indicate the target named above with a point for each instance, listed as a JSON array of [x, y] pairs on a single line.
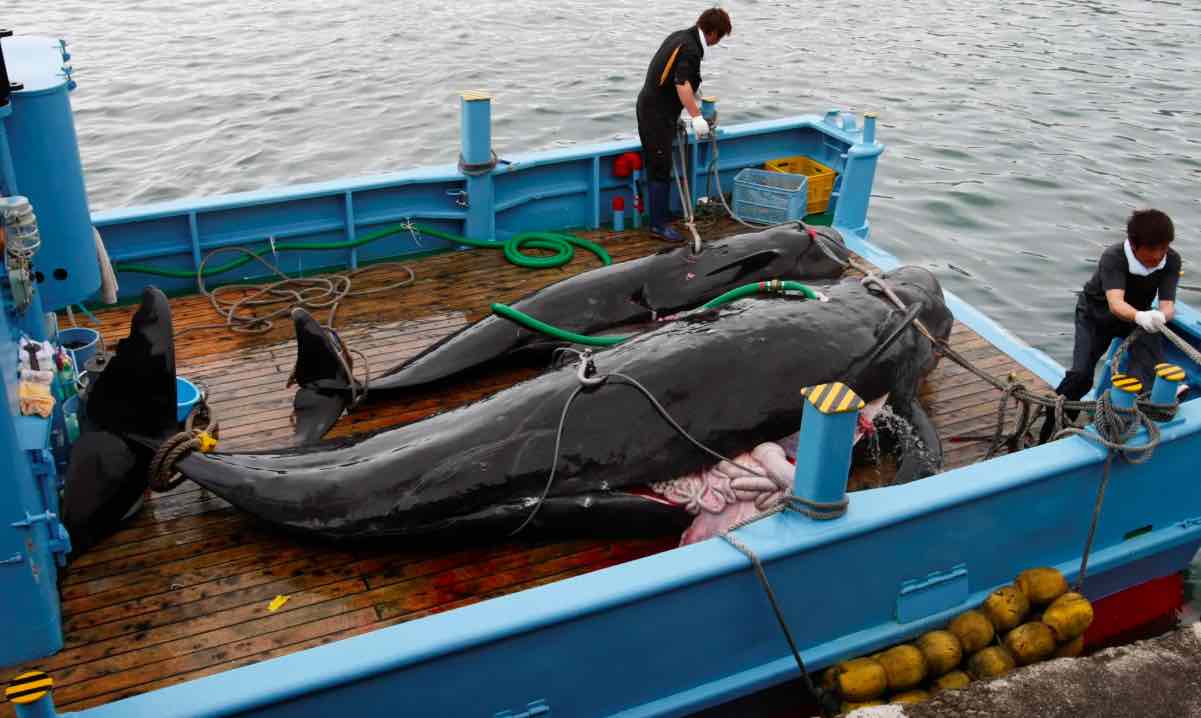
[[677, 61], [1113, 272]]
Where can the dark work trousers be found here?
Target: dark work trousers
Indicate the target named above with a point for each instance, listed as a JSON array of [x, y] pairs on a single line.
[[656, 130], [1093, 336]]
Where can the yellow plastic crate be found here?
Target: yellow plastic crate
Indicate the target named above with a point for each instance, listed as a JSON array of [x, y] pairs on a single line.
[[821, 179]]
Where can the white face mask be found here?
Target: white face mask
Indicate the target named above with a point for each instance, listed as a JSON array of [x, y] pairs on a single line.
[[1136, 267]]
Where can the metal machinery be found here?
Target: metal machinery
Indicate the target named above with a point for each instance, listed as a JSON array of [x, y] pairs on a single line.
[[49, 263]]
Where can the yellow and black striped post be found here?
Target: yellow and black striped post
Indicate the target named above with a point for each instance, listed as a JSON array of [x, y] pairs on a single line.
[[1125, 391], [823, 462], [30, 695], [1167, 378]]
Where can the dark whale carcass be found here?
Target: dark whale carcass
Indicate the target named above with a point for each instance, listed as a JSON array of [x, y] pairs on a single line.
[[597, 301], [730, 377]]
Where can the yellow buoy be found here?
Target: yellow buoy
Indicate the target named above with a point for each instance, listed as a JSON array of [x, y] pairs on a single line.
[[942, 651], [951, 681], [1030, 642], [860, 679], [973, 629], [1069, 616], [911, 697], [905, 666], [1042, 585], [991, 662], [1006, 607], [1071, 649]]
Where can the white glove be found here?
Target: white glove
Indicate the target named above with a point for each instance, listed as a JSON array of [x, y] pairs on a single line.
[[1150, 321], [700, 126]]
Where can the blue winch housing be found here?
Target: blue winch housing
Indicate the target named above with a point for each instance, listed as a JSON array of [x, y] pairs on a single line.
[[39, 159]]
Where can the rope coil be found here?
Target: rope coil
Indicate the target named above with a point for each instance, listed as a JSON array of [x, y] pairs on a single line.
[[479, 168], [161, 474]]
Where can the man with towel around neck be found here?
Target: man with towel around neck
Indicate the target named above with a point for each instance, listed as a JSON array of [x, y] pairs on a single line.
[[1118, 298]]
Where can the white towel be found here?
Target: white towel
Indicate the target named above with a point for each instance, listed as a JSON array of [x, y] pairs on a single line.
[[108, 278]]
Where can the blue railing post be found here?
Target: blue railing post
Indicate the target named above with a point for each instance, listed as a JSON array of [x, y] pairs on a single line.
[[857, 178], [1125, 391], [30, 695], [823, 461], [1167, 379], [476, 164]]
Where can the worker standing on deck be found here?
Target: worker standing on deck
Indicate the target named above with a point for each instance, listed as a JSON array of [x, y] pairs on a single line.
[[672, 81], [1118, 298]]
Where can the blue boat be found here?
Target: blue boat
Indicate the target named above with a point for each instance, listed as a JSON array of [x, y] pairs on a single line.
[[671, 632]]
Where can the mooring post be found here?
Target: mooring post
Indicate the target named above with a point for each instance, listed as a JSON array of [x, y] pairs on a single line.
[[30, 696], [476, 162], [1167, 380], [850, 209], [1125, 391], [823, 462]]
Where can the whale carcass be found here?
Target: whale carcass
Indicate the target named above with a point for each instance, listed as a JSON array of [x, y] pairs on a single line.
[[730, 377], [601, 300]]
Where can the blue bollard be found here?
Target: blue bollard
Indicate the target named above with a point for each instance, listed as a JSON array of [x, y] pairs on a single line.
[[1125, 391], [824, 450], [709, 108], [1167, 379], [30, 695], [476, 141], [850, 208]]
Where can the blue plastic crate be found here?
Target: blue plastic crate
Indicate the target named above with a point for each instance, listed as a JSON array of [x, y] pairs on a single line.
[[770, 197]]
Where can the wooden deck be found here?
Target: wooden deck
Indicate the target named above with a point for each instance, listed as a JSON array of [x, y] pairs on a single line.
[[183, 590]]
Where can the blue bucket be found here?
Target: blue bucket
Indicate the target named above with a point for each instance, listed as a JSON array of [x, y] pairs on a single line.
[[81, 343], [186, 396]]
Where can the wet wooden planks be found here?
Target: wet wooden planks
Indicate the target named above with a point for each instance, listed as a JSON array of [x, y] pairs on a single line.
[[182, 591], [962, 404]]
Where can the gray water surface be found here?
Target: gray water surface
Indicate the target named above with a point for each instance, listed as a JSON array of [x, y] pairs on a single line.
[[1020, 135]]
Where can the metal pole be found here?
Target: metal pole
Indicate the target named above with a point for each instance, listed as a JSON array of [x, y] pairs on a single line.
[[476, 164]]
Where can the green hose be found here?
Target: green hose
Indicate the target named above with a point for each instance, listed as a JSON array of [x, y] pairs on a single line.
[[773, 286], [562, 244], [526, 320]]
